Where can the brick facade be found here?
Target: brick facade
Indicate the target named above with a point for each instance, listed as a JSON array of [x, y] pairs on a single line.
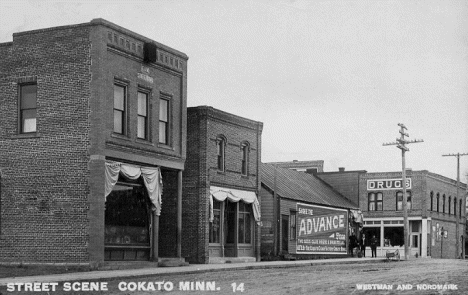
[[424, 216], [52, 184], [205, 125]]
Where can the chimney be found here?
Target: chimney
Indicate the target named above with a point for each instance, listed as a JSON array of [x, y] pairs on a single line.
[[341, 169]]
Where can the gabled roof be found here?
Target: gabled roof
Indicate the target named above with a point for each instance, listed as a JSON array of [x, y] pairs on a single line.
[[303, 187]]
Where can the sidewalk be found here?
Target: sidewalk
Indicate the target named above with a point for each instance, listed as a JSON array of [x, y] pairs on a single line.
[[194, 268]]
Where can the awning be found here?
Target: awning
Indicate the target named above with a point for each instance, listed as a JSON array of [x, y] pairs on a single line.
[[357, 216], [151, 178], [234, 195]]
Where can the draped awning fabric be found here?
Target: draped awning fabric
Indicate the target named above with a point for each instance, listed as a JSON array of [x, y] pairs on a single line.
[[234, 195], [357, 216], [151, 177]]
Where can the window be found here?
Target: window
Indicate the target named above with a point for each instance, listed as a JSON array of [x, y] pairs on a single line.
[[245, 159], [432, 201], [28, 108], [142, 131], [455, 206], [164, 121], [400, 201], [443, 204], [450, 205], [215, 226], [245, 229], [375, 202], [437, 200], [292, 225], [119, 108], [220, 147], [460, 208]]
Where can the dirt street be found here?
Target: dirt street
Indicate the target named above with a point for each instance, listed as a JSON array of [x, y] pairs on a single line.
[[421, 276]]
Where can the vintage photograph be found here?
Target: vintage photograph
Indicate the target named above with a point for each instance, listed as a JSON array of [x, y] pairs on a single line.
[[251, 146]]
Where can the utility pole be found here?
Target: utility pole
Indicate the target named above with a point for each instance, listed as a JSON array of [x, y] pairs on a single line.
[[457, 226], [401, 144]]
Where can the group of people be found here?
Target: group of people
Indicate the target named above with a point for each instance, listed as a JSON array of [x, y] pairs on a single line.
[[361, 245]]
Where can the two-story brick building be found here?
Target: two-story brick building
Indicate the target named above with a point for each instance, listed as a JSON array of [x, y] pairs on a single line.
[[221, 212], [433, 210], [93, 125]]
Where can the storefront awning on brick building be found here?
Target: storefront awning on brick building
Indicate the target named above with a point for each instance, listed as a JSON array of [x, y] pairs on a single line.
[[151, 177], [234, 195]]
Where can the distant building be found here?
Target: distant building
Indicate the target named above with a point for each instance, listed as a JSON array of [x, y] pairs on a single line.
[[433, 210], [303, 216], [93, 124], [221, 212], [301, 166]]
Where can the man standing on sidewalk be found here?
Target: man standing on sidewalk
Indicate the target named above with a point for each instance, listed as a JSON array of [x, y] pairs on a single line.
[[373, 245]]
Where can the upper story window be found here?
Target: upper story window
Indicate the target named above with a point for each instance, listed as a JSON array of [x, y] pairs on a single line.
[[220, 148], [119, 108], [399, 199], [460, 208], [164, 106], [432, 201], [455, 206], [245, 148], [437, 200], [450, 205], [142, 124], [375, 201], [28, 108], [443, 203]]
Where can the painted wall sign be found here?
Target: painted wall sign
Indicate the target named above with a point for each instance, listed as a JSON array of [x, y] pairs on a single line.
[[145, 77], [387, 184], [321, 230]]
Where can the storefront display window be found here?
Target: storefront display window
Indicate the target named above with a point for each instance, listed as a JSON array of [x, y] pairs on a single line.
[[215, 226], [393, 237]]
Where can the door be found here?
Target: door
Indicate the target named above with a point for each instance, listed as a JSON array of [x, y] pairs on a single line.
[[284, 232]]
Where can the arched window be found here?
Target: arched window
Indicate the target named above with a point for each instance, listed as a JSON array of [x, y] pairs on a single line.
[[437, 200], [460, 208], [450, 205], [432, 201], [443, 203], [245, 150], [455, 206], [399, 200], [221, 150]]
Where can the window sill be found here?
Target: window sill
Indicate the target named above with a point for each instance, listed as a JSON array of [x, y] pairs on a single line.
[[120, 136], [144, 141], [25, 135], [244, 176], [221, 172], [165, 146]]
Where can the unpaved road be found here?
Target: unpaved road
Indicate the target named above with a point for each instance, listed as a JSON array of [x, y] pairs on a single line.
[[428, 274]]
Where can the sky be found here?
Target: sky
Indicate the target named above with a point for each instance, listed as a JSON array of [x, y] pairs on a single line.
[[330, 80]]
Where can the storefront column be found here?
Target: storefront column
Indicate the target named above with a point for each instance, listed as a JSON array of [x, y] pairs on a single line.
[[179, 213], [424, 237], [382, 238], [155, 236]]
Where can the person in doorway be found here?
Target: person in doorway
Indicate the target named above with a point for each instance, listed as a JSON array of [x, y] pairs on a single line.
[[363, 245], [373, 245]]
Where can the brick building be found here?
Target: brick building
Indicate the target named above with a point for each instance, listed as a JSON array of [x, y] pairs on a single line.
[[312, 219], [220, 187], [91, 115], [433, 209]]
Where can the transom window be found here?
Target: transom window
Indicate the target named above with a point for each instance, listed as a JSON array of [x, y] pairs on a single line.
[[28, 108], [399, 198], [119, 108], [375, 201], [142, 125]]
